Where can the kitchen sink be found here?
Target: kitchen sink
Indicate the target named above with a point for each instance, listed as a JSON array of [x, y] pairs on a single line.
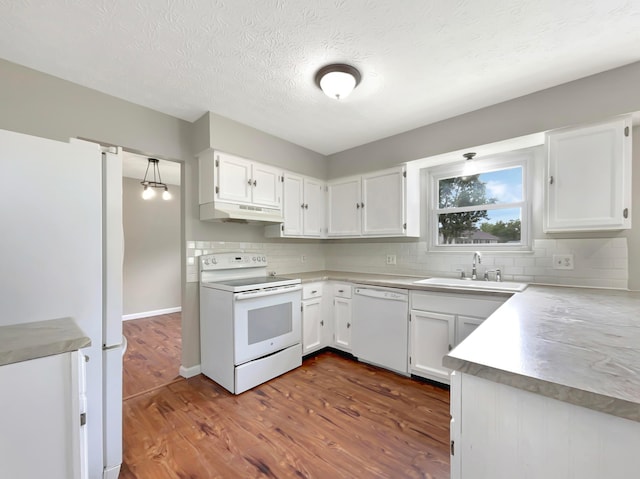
[[475, 285]]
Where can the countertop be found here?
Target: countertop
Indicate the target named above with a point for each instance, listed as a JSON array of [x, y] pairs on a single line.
[[576, 345], [22, 342]]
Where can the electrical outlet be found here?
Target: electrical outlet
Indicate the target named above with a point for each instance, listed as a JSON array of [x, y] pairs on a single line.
[[303, 258], [391, 259], [562, 261]]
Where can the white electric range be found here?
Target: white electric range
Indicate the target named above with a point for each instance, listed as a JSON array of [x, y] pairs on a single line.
[[250, 322]]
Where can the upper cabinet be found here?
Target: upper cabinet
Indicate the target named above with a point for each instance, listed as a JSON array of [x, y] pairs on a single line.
[[228, 182], [303, 208], [382, 203], [588, 177]]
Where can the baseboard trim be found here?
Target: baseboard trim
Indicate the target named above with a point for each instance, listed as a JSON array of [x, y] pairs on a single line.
[[190, 371], [147, 314]]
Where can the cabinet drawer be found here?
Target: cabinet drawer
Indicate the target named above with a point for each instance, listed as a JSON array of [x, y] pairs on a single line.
[[342, 290], [312, 290], [453, 303]]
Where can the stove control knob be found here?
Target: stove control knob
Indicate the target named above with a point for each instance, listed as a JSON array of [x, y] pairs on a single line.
[[254, 259], [206, 261], [264, 258]]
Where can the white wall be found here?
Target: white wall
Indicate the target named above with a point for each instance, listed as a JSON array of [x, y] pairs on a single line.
[[152, 250]]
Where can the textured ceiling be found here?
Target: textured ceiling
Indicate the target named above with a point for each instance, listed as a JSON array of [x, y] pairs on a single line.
[[254, 61]]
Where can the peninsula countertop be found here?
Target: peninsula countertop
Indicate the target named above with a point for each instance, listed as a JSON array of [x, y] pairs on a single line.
[[578, 345], [25, 341]]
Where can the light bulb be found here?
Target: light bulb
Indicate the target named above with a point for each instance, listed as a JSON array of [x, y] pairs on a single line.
[[148, 193], [165, 194]]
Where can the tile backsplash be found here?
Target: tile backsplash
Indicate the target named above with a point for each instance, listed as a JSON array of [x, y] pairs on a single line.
[[599, 262]]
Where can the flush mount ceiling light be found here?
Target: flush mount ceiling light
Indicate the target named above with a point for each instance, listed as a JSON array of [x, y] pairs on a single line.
[[149, 185], [337, 80]]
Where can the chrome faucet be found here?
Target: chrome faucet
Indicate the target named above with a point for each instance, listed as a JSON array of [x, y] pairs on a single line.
[[476, 256]]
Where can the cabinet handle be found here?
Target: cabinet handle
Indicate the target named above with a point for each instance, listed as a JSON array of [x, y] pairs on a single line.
[[348, 325], [450, 348], [306, 206], [314, 291], [358, 205], [302, 206], [362, 205], [249, 182], [255, 182], [322, 322], [341, 291], [551, 180], [625, 213]]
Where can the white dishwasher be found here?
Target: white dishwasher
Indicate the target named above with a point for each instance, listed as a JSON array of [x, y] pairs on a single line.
[[380, 333]]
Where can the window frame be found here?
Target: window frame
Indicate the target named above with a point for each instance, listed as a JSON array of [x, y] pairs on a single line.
[[502, 161]]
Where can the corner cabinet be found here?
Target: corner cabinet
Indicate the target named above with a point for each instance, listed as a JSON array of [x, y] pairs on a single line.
[[379, 204], [438, 322], [588, 177], [303, 208]]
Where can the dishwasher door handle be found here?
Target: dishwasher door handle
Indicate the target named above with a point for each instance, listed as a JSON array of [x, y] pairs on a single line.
[[382, 294]]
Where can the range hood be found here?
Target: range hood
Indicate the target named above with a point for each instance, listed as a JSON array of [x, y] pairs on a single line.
[[233, 213]]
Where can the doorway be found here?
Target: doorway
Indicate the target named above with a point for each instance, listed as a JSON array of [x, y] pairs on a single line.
[[151, 275]]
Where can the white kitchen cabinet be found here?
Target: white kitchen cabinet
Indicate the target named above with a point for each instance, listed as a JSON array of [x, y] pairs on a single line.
[[384, 202], [432, 337], [465, 325], [226, 179], [378, 204], [303, 208], [588, 177], [315, 328], [342, 317], [344, 198], [42, 412], [441, 321], [501, 432]]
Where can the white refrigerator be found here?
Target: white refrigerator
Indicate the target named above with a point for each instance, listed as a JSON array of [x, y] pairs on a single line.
[[61, 249]]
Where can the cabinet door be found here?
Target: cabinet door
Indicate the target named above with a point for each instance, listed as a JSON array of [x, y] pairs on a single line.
[[312, 325], [465, 325], [234, 175], [432, 337], [40, 409], [344, 207], [588, 184], [342, 323], [383, 202], [267, 185], [293, 205], [314, 217]]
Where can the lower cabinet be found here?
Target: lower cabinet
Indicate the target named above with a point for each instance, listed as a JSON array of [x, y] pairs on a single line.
[[316, 330], [498, 431], [441, 321], [342, 317], [42, 418], [432, 337]]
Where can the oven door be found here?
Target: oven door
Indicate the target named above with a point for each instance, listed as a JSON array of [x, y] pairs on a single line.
[[266, 322]]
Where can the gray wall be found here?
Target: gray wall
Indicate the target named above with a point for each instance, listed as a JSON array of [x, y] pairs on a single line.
[[152, 247], [589, 99], [42, 105]]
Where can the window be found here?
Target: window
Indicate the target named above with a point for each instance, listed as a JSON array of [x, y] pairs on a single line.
[[480, 202]]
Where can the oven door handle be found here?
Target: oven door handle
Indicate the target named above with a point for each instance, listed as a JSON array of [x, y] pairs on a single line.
[[268, 292]]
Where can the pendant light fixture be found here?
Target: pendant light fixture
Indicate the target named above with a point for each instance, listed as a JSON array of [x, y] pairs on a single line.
[[338, 80], [149, 185]]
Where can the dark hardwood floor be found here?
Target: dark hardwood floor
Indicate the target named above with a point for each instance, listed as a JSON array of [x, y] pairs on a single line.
[[331, 418]]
